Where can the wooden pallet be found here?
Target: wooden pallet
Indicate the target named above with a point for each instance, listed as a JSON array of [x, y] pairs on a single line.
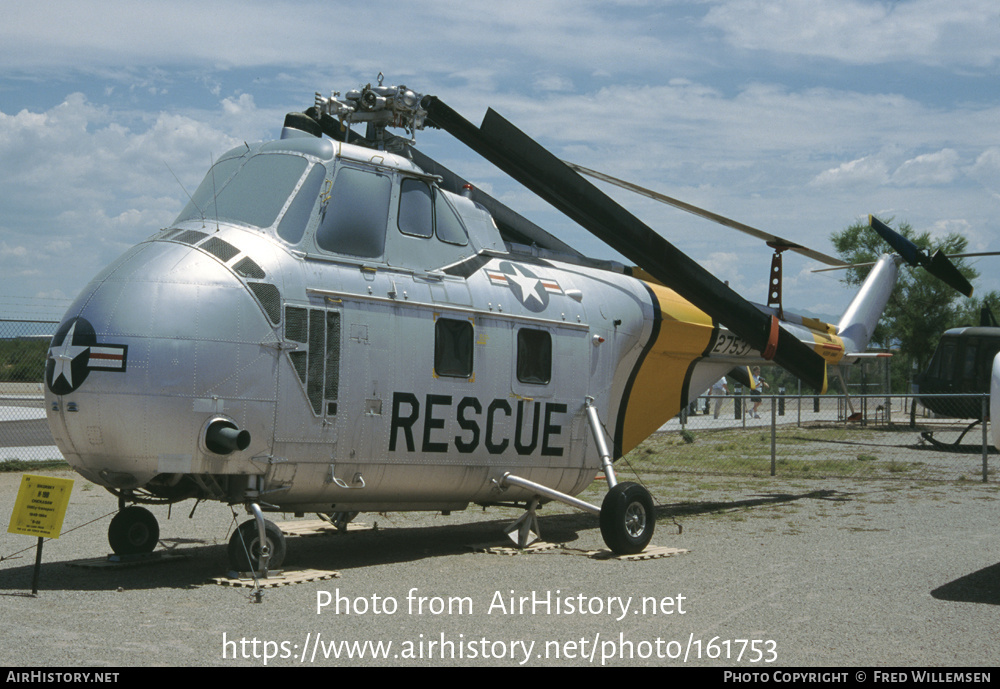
[[316, 527], [652, 552], [536, 547], [276, 578]]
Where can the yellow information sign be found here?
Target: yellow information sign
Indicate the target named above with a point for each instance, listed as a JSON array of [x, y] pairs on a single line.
[[40, 506]]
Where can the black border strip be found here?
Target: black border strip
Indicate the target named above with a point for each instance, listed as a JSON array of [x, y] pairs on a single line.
[[686, 386], [623, 406]]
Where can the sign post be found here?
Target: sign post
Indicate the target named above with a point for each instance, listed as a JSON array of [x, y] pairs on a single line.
[[39, 511]]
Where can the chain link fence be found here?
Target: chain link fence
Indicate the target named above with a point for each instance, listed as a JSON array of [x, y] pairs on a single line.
[[24, 432], [864, 434], [856, 436]]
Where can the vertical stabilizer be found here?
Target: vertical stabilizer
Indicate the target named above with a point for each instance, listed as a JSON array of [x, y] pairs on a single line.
[[859, 320]]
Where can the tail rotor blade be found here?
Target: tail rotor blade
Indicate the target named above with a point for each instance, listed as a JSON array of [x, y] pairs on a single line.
[[910, 252], [943, 269], [937, 265]]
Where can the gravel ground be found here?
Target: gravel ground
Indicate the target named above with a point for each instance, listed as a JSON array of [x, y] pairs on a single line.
[[778, 573]]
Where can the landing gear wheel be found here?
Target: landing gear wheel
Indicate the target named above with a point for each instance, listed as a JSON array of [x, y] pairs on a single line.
[[246, 539], [133, 531], [627, 519]]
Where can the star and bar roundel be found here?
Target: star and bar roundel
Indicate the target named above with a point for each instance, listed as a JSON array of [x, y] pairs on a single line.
[[529, 289], [75, 352]]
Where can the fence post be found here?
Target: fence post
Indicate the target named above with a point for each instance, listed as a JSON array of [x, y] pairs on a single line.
[[799, 423], [986, 436], [737, 401], [773, 436], [781, 401]]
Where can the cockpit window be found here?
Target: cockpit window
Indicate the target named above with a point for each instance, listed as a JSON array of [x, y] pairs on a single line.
[[944, 359], [293, 222], [253, 196], [354, 221], [200, 206]]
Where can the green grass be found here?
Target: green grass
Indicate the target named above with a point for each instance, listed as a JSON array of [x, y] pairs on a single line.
[[20, 465], [803, 452], [23, 359]]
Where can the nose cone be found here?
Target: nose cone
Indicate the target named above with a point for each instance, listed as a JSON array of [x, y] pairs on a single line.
[[162, 340]]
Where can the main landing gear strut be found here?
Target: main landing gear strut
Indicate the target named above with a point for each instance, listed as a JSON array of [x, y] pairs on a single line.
[[257, 545], [626, 514]]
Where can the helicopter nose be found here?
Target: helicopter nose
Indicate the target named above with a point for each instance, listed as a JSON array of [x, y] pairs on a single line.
[[163, 366]]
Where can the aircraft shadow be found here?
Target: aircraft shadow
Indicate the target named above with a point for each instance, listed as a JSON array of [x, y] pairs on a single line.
[[979, 587], [764, 499], [199, 561]]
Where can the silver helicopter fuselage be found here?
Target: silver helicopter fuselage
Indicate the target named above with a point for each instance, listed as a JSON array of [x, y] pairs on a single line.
[[370, 338]]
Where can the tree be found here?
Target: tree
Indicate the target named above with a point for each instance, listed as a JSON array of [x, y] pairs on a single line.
[[921, 306]]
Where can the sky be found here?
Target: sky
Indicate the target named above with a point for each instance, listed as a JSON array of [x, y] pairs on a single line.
[[797, 117]]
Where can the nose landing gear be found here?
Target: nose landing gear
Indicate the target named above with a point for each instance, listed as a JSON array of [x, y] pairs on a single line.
[[133, 531]]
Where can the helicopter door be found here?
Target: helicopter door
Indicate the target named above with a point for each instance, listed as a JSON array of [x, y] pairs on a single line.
[[551, 376], [365, 381], [308, 385]]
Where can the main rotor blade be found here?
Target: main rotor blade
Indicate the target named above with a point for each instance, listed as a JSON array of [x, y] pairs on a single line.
[[978, 254], [773, 240], [518, 155], [937, 265]]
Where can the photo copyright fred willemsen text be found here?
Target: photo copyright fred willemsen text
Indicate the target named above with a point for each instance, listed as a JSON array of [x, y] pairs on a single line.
[[594, 647]]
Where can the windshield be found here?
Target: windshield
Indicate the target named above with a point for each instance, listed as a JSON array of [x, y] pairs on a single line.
[[253, 194]]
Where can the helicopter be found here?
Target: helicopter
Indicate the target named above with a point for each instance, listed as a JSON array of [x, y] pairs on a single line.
[[965, 358], [962, 366], [335, 323]]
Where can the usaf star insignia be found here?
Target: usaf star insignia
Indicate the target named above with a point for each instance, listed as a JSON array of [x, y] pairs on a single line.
[[529, 289], [75, 352]]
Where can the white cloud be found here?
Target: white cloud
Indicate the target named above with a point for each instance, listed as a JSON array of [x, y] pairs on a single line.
[[234, 107], [986, 170], [80, 186], [6, 250], [869, 170], [958, 32], [928, 169]]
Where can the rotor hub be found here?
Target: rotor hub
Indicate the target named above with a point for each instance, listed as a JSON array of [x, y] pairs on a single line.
[[379, 106]]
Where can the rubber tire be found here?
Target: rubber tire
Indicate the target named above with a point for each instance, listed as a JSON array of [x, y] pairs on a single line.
[[246, 539], [627, 519], [133, 531]]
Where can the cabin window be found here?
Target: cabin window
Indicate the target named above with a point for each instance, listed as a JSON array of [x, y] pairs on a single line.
[[969, 365], [987, 353], [534, 356], [448, 226], [453, 348], [423, 212], [415, 209], [293, 222], [354, 221], [253, 196]]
